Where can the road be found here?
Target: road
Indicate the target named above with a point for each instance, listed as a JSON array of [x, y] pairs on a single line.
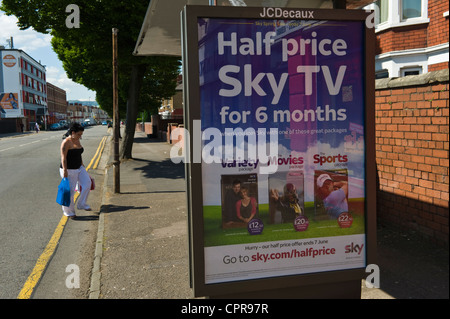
[[29, 215]]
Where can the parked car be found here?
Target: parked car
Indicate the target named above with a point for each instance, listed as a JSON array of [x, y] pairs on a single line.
[[55, 127], [64, 124], [104, 123]]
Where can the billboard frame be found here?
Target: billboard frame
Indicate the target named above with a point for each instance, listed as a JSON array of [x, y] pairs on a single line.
[[281, 286]]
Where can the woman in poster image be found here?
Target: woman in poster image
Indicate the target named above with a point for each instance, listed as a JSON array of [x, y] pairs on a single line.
[[333, 194], [73, 168], [12, 99], [246, 207]]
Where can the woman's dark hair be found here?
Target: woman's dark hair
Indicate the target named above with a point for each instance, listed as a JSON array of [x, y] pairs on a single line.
[[74, 127], [245, 189]]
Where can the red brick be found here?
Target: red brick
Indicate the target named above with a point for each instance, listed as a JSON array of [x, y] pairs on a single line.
[[439, 103], [439, 137], [426, 184], [440, 153], [431, 160]]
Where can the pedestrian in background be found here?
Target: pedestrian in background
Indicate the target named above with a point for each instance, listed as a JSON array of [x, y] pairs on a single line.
[[36, 126], [73, 168]]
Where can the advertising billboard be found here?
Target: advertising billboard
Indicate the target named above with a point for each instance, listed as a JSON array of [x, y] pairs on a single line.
[[10, 103], [282, 109]]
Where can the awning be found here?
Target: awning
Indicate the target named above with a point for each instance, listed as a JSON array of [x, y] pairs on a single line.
[[161, 31]]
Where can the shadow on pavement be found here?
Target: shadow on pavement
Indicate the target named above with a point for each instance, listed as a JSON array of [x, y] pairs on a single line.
[[161, 169], [87, 218], [117, 208], [410, 266]]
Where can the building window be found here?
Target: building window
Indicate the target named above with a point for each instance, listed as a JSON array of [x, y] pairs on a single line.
[[398, 13], [381, 74], [410, 71], [411, 9], [382, 12]]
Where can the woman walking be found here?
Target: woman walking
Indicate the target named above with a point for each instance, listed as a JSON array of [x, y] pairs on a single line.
[[73, 168]]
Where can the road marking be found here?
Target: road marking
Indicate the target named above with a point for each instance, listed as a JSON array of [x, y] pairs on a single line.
[[41, 263], [98, 150], [5, 149], [29, 143], [101, 151]]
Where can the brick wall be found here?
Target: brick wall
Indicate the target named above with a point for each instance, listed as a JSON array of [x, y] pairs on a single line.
[[437, 32], [438, 66], [412, 150], [402, 38]]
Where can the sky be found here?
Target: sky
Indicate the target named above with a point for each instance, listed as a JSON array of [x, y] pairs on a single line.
[[38, 46]]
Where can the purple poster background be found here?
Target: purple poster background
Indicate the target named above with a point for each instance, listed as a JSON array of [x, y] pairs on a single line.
[[308, 75]]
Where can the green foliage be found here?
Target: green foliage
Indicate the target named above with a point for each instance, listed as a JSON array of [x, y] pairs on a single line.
[[86, 52]]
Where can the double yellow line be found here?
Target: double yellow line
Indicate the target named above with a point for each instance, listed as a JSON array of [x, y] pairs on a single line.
[[43, 260]]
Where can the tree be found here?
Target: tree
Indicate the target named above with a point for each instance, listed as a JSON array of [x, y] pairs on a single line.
[[86, 53]]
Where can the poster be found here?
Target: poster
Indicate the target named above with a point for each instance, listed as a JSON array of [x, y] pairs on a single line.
[[282, 119], [9, 105]]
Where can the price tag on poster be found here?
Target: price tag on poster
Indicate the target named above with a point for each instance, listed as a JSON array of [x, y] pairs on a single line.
[[282, 116]]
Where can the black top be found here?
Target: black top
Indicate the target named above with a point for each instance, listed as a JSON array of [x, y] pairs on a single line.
[[246, 211], [74, 158]]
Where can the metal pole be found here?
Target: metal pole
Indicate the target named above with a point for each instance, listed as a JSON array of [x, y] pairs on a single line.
[[339, 4], [116, 119]]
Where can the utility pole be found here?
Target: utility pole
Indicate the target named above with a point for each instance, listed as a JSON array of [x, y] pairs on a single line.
[[116, 119], [339, 4]]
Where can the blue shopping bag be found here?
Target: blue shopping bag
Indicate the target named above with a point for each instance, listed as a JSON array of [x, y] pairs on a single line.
[[63, 196]]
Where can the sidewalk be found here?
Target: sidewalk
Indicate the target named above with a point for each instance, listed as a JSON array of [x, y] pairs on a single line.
[[145, 248], [143, 245]]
